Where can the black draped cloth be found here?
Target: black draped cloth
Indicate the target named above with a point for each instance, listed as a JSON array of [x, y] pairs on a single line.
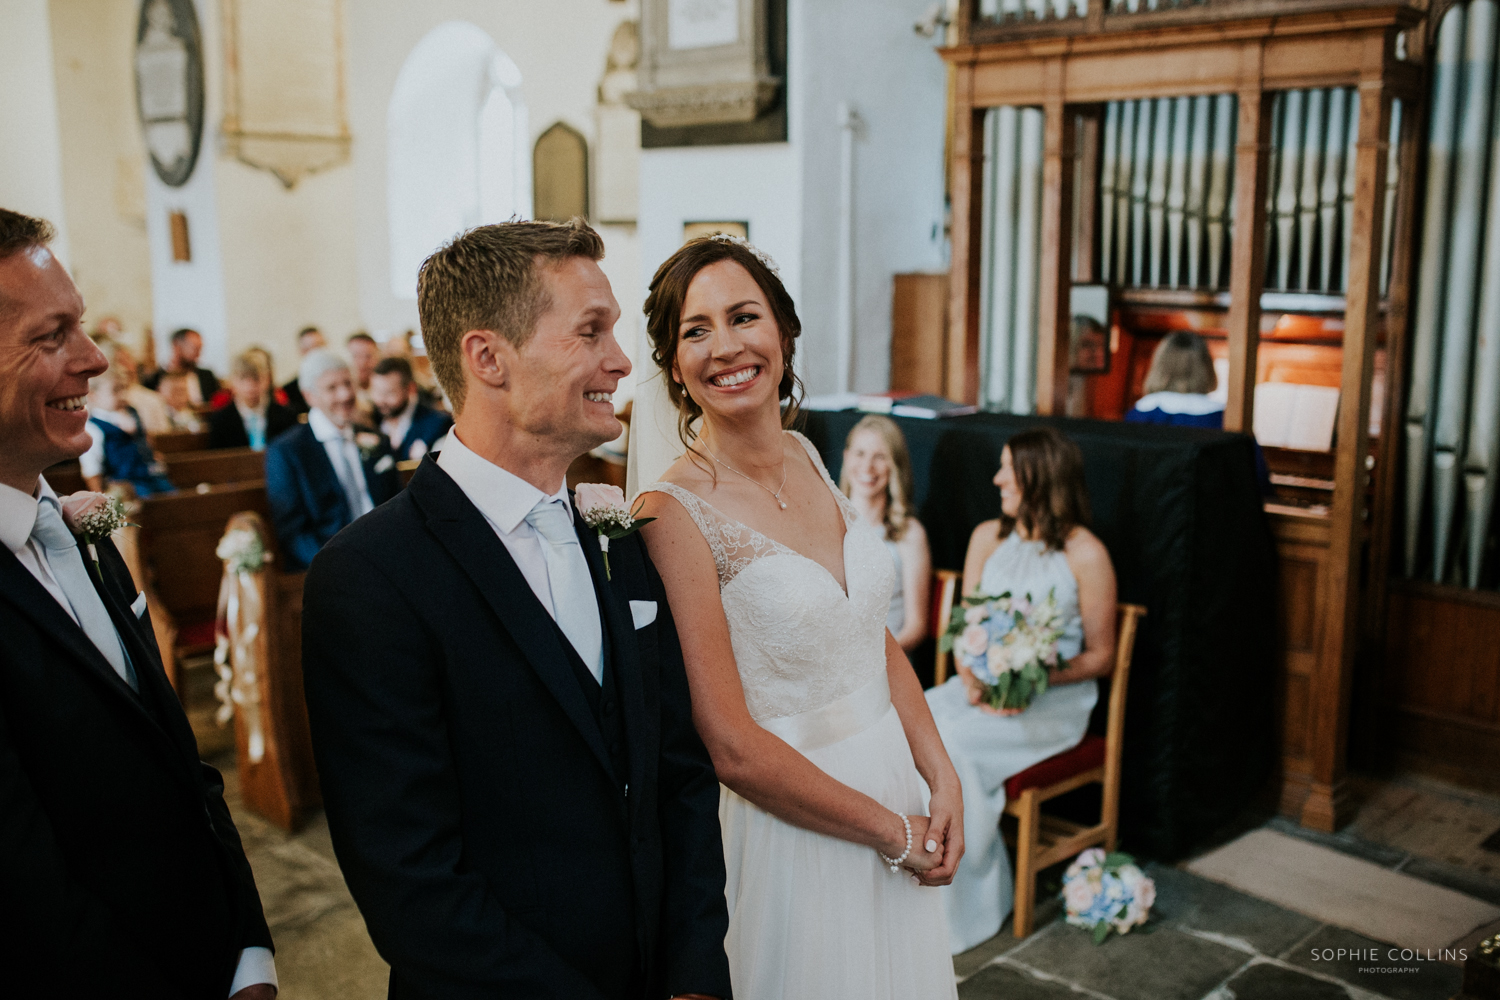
[[1181, 514]]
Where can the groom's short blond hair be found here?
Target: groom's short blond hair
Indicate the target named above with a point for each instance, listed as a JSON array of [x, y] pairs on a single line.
[[489, 279]]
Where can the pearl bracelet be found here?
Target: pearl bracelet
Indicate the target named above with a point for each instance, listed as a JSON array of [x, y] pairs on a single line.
[[895, 863]]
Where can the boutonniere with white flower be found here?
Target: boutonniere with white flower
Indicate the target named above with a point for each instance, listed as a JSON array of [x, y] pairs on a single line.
[[368, 442], [92, 517], [603, 508]]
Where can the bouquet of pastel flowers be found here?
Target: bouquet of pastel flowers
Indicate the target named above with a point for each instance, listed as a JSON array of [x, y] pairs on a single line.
[[1107, 892], [1008, 643]]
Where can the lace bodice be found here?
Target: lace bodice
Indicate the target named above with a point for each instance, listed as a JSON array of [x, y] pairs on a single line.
[[799, 642], [1023, 567]]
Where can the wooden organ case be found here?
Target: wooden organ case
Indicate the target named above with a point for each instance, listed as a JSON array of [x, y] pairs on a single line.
[[1071, 57]]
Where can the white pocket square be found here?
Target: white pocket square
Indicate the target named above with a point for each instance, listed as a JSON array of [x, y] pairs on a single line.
[[138, 606], [644, 612], [384, 463]]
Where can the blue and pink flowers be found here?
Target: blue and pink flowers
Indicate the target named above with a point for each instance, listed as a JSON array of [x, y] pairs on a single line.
[[1107, 892], [1008, 643]]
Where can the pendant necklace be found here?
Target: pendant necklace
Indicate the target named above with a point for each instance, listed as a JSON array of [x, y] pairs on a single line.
[[775, 494]]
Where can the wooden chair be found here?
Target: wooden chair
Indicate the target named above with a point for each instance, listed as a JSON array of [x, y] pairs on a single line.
[[1042, 841], [944, 596]]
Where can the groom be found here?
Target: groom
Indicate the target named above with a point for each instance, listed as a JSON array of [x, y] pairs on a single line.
[[517, 795]]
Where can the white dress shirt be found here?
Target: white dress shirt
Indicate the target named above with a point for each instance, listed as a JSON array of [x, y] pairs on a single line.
[[17, 518], [395, 430], [505, 499], [343, 455], [91, 462]]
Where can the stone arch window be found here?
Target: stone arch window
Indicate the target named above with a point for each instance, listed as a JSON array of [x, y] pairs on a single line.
[[560, 166], [457, 146]]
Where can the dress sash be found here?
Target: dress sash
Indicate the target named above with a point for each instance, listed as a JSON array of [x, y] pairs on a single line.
[[836, 721]]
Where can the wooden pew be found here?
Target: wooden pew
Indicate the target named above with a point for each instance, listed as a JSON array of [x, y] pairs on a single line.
[[188, 469], [180, 534], [177, 441], [65, 478]]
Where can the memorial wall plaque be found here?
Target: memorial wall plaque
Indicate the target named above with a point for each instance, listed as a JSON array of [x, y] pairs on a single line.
[[169, 87], [704, 62]]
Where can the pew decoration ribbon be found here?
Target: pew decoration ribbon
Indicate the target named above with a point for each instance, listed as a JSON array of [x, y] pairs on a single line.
[[603, 508], [239, 634], [1009, 644], [1107, 892], [92, 517]]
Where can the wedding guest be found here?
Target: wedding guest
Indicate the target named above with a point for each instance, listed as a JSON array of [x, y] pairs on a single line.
[[173, 390], [155, 415], [253, 419], [118, 449], [123, 873], [364, 355], [1178, 385], [187, 347], [309, 339], [412, 428], [877, 476], [1039, 545], [323, 475]]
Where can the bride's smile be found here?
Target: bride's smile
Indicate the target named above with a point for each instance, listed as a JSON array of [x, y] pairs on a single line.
[[729, 348]]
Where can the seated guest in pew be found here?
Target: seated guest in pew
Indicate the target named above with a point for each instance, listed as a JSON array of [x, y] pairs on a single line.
[[268, 366], [877, 477], [412, 429], [252, 419], [173, 389], [122, 872], [118, 449], [364, 355], [1039, 545], [152, 409], [324, 474], [309, 339], [187, 347], [1178, 385]]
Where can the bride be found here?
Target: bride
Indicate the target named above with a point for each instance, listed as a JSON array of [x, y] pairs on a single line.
[[821, 738]]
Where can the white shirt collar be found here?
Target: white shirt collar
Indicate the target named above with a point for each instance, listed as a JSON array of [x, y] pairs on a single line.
[[1190, 403], [326, 430], [501, 496], [18, 513]]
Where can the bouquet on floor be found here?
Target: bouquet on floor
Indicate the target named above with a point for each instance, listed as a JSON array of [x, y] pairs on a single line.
[[1107, 892], [1008, 643]]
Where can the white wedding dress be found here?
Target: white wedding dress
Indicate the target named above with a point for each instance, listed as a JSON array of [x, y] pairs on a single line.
[[812, 917]]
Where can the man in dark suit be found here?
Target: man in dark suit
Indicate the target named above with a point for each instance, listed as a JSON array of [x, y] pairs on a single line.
[[518, 798], [252, 419], [187, 348], [412, 428], [323, 475], [120, 868], [309, 339]]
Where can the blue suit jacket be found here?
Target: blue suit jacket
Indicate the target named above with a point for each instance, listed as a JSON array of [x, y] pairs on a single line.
[[307, 503], [427, 426]]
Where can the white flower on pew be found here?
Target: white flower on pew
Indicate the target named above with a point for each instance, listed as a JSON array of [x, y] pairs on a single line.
[[92, 517], [243, 550], [603, 508]]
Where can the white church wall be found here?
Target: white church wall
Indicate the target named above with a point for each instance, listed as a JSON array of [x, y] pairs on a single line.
[[30, 146], [103, 160]]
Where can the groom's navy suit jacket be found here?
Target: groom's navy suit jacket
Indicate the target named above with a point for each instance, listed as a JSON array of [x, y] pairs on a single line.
[[495, 844], [121, 872]]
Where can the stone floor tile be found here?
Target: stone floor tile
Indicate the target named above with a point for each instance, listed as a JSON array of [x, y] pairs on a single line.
[[1479, 881], [1164, 964], [1005, 982], [1384, 855], [1264, 981], [1185, 901], [330, 959], [1431, 980]]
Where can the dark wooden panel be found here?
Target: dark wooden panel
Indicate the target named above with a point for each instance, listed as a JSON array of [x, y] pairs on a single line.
[[187, 469], [169, 444], [1443, 653], [179, 535]]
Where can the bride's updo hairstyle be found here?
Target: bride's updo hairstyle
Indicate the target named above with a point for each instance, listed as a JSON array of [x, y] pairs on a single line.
[[1054, 499], [664, 315]]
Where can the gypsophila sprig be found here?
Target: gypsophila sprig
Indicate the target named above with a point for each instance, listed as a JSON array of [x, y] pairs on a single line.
[[93, 517], [603, 508], [243, 550]]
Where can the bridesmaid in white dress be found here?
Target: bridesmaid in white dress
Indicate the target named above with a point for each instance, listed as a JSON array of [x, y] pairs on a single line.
[[876, 475], [824, 746], [1038, 545]]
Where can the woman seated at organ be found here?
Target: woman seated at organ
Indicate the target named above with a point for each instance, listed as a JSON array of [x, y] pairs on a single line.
[[1039, 545], [877, 477], [119, 450], [1179, 385]]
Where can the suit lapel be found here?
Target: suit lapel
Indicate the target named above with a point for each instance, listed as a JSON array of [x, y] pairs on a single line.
[[18, 586], [624, 658], [322, 474], [470, 540]]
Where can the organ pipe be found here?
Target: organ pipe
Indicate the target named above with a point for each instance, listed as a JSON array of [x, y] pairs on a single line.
[[1107, 189], [1334, 138], [1177, 189], [1442, 125], [1197, 188], [1028, 260], [1161, 141], [1221, 163], [1307, 207]]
